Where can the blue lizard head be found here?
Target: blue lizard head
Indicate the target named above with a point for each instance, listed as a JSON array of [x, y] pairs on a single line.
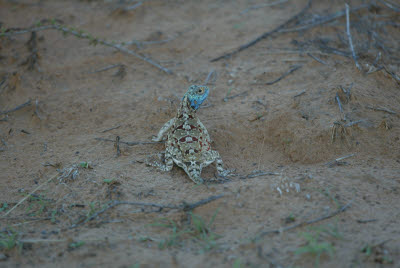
[[196, 95]]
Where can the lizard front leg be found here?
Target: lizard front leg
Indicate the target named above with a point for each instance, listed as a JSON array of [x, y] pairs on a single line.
[[164, 129]]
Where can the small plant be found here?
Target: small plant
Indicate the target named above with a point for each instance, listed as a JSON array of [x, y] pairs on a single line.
[[53, 216], [315, 246], [37, 204], [202, 231], [198, 230], [92, 210], [108, 181], [9, 240], [174, 239], [84, 165], [237, 264], [75, 245], [327, 193], [378, 253], [4, 207]]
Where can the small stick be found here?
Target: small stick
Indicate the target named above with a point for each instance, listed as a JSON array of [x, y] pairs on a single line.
[[36, 109], [263, 5], [132, 7], [116, 144], [324, 20], [337, 160], [340, 106], [234, 96], [209, 76], [283, 75], [2, 81], [382, 109], [349, 37], [111, 128], [139, 44], [259, 174], [353, 123], [257, 117], [184, 207], [390, 5], [17, 108], [278, 231], [130, 143], [299, 94], [378, 57], [332, 50], [317, 59], [265, 35], [105, 68], [367, 221], [187, 207], [392, 74]]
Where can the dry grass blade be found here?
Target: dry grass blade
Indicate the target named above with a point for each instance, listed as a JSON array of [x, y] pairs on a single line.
[[27, 196]]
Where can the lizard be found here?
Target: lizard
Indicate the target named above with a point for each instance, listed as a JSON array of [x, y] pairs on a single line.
[[188, 143]]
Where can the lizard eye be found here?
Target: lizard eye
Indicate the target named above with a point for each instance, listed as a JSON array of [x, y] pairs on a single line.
[[201, 90]]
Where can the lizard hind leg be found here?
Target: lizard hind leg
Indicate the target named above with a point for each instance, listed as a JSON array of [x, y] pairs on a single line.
[[220, 165], [166, 165]]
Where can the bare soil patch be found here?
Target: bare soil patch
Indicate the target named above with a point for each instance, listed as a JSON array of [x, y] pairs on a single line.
[[314, 140]]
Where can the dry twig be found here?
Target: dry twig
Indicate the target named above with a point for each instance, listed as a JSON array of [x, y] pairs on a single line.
[[105, 68], [185, 207], [340, 106], [234, 96], [299, 94], [390, 5], [263, 5], [293, 69], [116, 144], [349, 37], [130, 143], [210, 74], [17, 108], [111, 128], [317, 59], [337, 161], [382, 109], [37, 109], [265, 35], [259, 173], [324, 20], [284, 229], [93, 40]]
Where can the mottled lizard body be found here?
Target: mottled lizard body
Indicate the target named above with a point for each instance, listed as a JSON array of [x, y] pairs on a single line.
[[188, 143]]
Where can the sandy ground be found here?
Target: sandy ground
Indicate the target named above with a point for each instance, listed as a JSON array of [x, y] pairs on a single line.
[[287, 134]]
